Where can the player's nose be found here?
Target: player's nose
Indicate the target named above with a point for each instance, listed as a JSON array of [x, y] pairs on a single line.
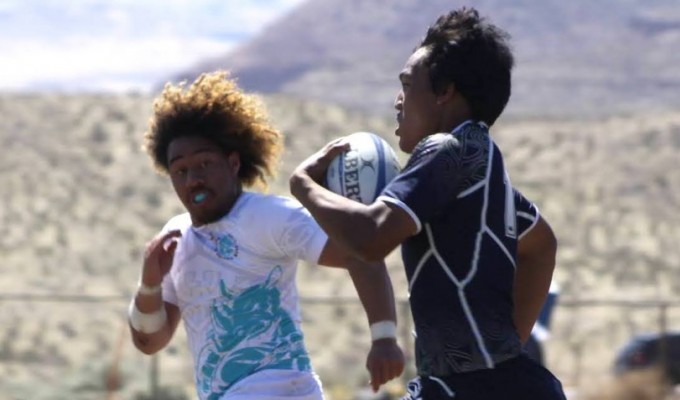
[[399, 100]]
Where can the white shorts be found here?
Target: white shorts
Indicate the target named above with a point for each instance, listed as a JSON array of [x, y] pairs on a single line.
[[277, 384]]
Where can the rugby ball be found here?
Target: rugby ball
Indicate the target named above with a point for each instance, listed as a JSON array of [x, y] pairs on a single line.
[[363, 171]]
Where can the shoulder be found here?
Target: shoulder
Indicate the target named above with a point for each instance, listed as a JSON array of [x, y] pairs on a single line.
[[435, 142], [270, 202], [432, 145], [468, 140], [270, 211], [473, 138], [180, 222]]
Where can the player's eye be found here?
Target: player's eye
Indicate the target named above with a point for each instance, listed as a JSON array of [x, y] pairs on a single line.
[[179, 172]]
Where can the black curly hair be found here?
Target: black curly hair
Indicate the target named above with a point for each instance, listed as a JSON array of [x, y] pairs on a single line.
[[214, 107], [468, 51]]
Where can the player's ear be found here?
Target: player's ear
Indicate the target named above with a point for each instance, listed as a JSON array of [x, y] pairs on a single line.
[[447, 94], [234, 161]]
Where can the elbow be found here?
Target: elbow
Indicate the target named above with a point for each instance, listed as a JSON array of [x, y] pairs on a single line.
[[364, 246], [144, 344]]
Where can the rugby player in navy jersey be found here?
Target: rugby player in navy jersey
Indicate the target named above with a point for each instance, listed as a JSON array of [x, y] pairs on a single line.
[[478, 255]]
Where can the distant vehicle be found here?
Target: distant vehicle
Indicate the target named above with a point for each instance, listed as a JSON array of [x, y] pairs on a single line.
[[644, 351]]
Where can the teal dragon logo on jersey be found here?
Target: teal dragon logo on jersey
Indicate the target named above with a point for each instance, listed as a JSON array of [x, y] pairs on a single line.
[[227, 247], [250, 332]]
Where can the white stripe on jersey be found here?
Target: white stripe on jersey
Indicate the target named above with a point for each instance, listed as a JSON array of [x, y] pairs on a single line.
[[461, 293], [418, 268], [530, 217], [510, 214], [501, 245], [471, 189]]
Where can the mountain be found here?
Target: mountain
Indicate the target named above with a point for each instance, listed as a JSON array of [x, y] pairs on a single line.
[[572, 58]]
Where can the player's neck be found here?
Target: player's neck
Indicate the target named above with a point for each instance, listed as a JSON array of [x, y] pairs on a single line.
[[452, 122], [456, 113]]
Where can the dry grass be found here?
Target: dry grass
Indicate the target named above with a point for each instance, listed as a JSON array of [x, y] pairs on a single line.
[[80, 199]]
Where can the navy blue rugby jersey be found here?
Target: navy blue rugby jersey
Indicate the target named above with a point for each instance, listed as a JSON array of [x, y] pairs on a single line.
[[461, 263]]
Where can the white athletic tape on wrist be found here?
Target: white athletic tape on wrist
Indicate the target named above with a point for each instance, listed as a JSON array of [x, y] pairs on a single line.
[[383, 330], [148, 290], [146, 323]]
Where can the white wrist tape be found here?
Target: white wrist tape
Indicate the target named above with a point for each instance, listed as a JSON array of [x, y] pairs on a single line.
[[383, 330], [148, 290], [146, 323]]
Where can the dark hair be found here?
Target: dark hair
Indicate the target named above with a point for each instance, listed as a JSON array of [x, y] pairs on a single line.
[[474, 55], [215, 108]]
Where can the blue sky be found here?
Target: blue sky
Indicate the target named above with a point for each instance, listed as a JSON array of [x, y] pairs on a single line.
[[119, 45]]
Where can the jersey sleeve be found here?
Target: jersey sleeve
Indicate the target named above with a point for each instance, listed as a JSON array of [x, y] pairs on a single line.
[[431, 179], [169, 292], [299, 236], [527, 214]]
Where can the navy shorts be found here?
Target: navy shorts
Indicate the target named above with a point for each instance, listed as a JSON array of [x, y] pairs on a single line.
[[520, 378]]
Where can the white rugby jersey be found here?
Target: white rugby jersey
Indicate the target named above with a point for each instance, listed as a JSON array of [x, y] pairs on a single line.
[[234, 283]]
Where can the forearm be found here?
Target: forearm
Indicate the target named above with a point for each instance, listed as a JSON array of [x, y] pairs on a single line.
[[374, 287], [531, 291], [347, 222], [152, 341], [532, 282]]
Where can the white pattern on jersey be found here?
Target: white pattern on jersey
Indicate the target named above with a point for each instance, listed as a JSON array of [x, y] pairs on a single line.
[[234, 283]]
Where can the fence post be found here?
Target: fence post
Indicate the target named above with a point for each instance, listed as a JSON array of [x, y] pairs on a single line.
[[663, 342], [153, 377]]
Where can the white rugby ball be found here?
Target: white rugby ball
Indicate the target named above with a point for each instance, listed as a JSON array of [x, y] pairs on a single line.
[[363, 171]]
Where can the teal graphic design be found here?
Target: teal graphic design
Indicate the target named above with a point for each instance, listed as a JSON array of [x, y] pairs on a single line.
[[256, 315], [227, 247]]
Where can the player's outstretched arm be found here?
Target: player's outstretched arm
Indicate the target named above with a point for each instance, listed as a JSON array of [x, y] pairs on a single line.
[[385, 360], [535, 265], [152, 321]]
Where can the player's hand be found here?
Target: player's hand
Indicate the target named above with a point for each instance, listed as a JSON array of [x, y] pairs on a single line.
[[158, 257], [385, 362], [315, 166]]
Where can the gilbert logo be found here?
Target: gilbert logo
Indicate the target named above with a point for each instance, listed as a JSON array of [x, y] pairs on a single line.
[[353, 164], [367, 164]]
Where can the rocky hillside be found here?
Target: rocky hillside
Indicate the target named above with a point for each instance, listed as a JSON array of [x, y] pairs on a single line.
[[573, 58]]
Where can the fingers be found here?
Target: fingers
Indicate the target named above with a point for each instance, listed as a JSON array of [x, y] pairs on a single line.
[[164, 240], [162, 243], [333, 148], [170, 242], [377, 378], [168, 236], [170, 246], [383, 372], [384, 364], [316, 165]]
